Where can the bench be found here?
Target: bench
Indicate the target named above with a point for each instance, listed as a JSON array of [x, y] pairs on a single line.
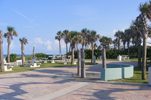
[[69, 60], [8, 67], [124, 57], [53, 61], [32, 64]]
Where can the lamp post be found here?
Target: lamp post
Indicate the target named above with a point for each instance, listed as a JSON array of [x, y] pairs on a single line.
[[82, 64], [103, 57], [79, 64], [1, 52]]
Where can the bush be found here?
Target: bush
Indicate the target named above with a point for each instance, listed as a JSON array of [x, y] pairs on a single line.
[[114, 53], [28, 57], [13, 57], [41, 55]]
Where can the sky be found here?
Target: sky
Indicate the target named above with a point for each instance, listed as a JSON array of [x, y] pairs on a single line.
[[40, 20]]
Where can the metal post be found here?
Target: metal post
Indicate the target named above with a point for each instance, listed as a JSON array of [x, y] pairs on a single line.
[[79, 64], [82, 64], [1, 52], [103, 58]]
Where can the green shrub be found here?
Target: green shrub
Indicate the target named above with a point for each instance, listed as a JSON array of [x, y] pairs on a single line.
[[114, 53], [41, 55], [13, 57], [28, 57]]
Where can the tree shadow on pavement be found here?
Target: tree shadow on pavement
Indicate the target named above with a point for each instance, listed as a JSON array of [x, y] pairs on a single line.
[[17, 91], [105, 93]]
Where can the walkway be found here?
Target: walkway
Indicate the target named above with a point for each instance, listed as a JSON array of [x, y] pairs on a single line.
[[43, 84]]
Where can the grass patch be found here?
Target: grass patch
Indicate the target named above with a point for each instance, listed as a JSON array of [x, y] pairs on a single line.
[[137, 77], [43, 65]]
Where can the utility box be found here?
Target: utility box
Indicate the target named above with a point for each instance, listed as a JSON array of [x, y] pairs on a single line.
[[149, 75], [119, 58]]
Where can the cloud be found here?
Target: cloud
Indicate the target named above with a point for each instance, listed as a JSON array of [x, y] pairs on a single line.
[[114, 31], [56, 43], [149, 40], [40, 44], [123, 29], [48, 45], [12, 46], [38, 40]]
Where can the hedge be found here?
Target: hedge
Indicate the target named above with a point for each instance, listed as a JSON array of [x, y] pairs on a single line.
[[114, 53], [13, 57]]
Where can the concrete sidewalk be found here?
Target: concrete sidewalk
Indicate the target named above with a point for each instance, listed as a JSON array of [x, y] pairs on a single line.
[[40, 84]]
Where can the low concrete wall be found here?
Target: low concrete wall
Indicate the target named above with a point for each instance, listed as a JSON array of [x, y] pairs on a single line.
[[116, 71], [149, 75]]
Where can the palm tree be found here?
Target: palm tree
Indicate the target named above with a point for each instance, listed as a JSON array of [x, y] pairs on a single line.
[[78, 40], [118, 34], [99, 47], [72, 36], [1, 52], [58, 37], [95, 46], [105, 41], [93, 37], [145, 14], [66, 39], [84, 33], [23, 42], [115, 42], [123, 40], [128, 38], [137, 32], [9, 35]]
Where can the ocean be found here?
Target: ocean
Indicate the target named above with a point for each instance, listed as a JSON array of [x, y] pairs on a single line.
[[17, 55]]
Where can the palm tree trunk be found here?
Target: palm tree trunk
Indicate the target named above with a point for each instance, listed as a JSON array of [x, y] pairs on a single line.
[[77, 47], [128, 49], [92, 60], [124, 45], [1, 52], [119, 44], [66, 48], [114, 46], [22, 49], [72, 58], [145, 33], [60, 48], [144, 58], [83, 44], [8, 55], [139, 53]]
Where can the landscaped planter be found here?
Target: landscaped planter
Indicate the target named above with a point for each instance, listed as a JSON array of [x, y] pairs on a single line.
[[149, 75], [117, 71]]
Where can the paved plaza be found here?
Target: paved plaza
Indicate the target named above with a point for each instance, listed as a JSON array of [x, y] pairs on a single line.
[[60, 84]]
